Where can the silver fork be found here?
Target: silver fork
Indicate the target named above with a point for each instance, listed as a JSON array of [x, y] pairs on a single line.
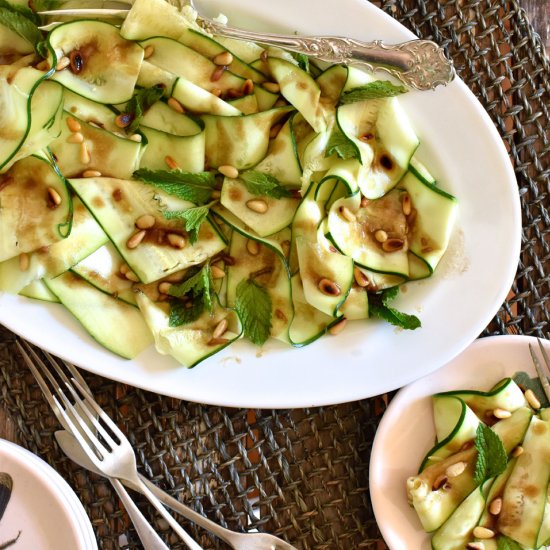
[[543, 377], [420, 64], [113, 456]]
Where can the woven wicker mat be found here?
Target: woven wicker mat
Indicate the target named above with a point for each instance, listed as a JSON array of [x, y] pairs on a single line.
[[307, 469]]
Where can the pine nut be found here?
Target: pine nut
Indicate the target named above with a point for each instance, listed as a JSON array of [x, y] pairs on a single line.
[[501, 413], [77, 137], [170, 162], [228, 171], [176, 240], [347, 214], [475, 546], [517, 451], [272, 87], [364, 202], [164, 287], [440, 482], [123, 269], [54, 196], [495, 507], [136, 137], [136, 239], [124, 120], [483, 533], [146, 221], [43, 66], [131, 276], [63, 63], [84, 154], [393, 245], [216, 91], [264, 55], [220, 329], [406, 204], [253, 247], [248, 87], [360, 278], [218, 73], [366, 138], [532, 399], [175, 105], [338, 327], [91, 174], [24, 261], [223, 59], [380, 235], [73, 124], [454, 470], [217, 272], [217, 341], [257, 205], [148, 51], [328, 287]]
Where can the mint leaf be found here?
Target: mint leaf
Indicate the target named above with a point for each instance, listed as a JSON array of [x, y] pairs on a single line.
[[198, 286], [372, 90], [378, 307], [506, 543], [182, 313], [259, 183], [193, 218], [303, 61], [20, 24], [253, 305], [491, 455], [140, 103], [342, 146], [195, 187]]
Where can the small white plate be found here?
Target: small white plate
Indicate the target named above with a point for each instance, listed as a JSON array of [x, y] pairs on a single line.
[[406, 432], [42, 507]]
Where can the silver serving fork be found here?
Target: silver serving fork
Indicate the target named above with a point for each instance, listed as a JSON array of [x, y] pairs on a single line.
[[113, 455], [543, 376], [420, 64]]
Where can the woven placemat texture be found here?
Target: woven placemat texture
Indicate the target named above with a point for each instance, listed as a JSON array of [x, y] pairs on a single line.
[[303, 474]]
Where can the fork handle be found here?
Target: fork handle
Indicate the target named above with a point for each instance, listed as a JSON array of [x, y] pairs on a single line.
[[148, 536], [191, 544]]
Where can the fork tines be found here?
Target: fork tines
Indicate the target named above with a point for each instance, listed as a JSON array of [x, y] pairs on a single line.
[[543, 376]]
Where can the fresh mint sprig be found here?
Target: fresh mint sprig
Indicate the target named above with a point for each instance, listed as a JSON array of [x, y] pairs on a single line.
[[491, 454], [342, 146], [193, 218], [378, 307], [259, 183], [140, 103], [254, 308], [373, 90], [21, 23]]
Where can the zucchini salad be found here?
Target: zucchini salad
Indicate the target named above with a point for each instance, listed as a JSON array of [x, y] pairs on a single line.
[[167, 186], [484, 485]]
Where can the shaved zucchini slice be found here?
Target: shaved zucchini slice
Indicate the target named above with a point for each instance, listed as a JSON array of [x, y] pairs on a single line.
[[37, 290], [104, 66]]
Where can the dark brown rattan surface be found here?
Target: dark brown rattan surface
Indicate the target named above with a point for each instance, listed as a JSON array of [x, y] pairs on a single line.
[[303, 474]]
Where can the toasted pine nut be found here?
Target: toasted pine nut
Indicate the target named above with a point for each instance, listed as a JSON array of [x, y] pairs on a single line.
[[253, 247], [136, 239], [136, 137], [360, 278], [483, 533], [532, 399], [220, 329], [73, 124], [257, 205], [91, 174], [216, 91], [123, 269], [42, 66], [406, 204], [224, 58], [124, 120], [272, 87], [176, 240], [380, 235], [174, 104], [264, 55], [454, 470], [148, 51], [495, 507], [164, 287], [170, 162], [63, 63], [217, 272], [218, 73], [131, 276], [228, 171], [517, 451], [440, 482], [24, 261], [84, 154], [54, 196], [393, 245], [146, 221], [347, 214], [501, 413], [478, 545], [338, 327], [328, 287], [248, 87], [77, 137], [364, 202], [217, 341]]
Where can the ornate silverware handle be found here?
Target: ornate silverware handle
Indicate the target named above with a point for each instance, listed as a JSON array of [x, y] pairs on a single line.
[[420, 64]]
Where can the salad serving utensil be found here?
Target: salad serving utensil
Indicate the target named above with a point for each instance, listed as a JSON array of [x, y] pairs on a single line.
[[419, 64], [237, 541], [543, 376], [106, 447]]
